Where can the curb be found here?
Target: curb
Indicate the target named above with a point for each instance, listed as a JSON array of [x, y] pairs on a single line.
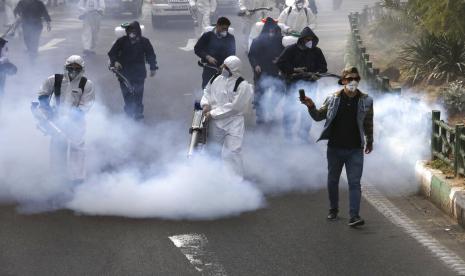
[[441, 191]]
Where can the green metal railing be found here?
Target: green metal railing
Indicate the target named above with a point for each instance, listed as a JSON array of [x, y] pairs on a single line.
[[448, 143], [362, 59]]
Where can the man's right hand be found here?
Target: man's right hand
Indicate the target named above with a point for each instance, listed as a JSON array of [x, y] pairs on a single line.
[[307, 101], [211, 60], [118, 66], [206, 108], [258, 69]]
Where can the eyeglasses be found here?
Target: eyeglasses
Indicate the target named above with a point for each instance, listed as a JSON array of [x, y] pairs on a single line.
[[352, 79]]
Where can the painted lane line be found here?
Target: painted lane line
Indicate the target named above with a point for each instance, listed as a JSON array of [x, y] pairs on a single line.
[[395, 215], [194, 247], [190, 45], [51, 44]]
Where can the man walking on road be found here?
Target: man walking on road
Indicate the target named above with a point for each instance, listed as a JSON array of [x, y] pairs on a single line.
[[129, 55], [349, 119], [214, 47], [92, 14], [31, 13]]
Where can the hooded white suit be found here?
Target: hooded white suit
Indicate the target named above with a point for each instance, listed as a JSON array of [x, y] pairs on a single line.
[[204, 8], [296, 20], [227, 127], [68, 158], [93, 10]]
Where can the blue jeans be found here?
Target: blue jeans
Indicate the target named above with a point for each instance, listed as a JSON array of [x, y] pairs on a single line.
[[352, 159]]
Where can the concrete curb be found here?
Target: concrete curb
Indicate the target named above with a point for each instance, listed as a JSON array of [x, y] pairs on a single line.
[[441, 191]]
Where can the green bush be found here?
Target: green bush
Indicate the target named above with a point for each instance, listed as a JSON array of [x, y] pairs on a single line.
[[454, 96], [434, 57]]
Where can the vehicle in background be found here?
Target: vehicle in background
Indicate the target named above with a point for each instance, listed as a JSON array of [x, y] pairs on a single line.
[[165, 10], [124, 6]]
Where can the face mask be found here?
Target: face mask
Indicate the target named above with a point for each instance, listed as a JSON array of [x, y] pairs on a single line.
[[352, 86], [132, 35], [225, 73], [309, 44], [271, 34], [223, 33], [299, 5], [73, 73]]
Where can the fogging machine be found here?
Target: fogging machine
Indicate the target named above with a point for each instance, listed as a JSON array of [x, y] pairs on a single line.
[[198, 131]]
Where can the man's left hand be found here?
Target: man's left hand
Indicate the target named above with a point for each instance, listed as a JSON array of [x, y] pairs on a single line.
[[369, 148], [153, 73], [49, 27]]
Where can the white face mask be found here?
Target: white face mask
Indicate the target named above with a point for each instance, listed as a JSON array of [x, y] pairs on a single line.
[[299, 5], [309, 44], [223, 33], [225, 73], [132, 35], [352, 86]]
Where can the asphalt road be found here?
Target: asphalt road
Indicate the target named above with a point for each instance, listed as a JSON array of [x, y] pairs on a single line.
[[290, 236]]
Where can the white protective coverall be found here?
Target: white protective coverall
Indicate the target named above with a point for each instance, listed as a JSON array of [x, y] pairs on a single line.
[[67, 159], [296, 20], [227, 127], [92, 14], [203, 10], [9, 15], [252, 19]]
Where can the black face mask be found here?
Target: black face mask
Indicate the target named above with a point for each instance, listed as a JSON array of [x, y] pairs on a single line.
[[73, 72]]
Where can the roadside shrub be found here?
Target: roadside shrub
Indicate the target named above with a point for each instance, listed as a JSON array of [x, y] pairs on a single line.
[[434, 57], [454, 97]]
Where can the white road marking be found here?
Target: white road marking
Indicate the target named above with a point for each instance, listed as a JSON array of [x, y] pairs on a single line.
[[395, 215], [190, 45], [194, 247], [51, 44]]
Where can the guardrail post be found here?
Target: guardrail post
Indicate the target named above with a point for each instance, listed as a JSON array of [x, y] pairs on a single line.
[[436, 116], [459, 130]]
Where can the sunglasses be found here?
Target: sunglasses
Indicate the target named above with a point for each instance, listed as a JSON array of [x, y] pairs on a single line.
[[352, 79]]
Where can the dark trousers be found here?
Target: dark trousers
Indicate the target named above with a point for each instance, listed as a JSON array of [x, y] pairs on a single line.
[[31, 33], [352, 159], [133, 106], [207, 74]]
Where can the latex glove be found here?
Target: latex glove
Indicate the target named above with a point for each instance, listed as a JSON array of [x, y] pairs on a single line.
[[118, 66], [153, 73], [258, 69], [369, 148], [211, 60], [49, 27], [307, 102], [206, 108]]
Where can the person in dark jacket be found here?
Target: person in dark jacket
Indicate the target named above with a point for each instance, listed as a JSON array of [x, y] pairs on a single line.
[[129, 55], [6, 67], [32, 12], [264, 52], [302, 57], [214, 47]]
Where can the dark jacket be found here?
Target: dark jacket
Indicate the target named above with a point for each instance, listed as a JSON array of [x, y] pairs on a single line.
[[329, 111], [298, 55], [219, 48], [265, 49], [133, 56], [32, 12]]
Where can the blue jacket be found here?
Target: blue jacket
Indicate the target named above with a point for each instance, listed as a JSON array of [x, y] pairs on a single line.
[[329, 111]]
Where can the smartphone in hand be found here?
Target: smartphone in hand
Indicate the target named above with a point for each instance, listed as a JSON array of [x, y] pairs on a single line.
[[301, 94]]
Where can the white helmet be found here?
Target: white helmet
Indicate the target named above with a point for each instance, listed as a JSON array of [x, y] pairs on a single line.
[[233, 63], [75, 59]]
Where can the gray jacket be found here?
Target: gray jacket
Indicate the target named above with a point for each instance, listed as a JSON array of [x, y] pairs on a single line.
[[329, 110]]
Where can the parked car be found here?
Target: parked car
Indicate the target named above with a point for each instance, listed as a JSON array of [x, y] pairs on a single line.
[[164, 10], [123, 6]]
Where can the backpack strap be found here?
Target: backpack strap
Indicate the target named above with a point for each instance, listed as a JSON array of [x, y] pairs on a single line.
[[214, 77], [306, 13], [289, 12], [82, 83], [57, 88], [238, 82]]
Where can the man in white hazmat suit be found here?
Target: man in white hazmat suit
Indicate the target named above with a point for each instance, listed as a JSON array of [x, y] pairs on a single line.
[[92, 14], [65, 98], [225, 100], [9, 16], [296, 17], [203, 10]]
